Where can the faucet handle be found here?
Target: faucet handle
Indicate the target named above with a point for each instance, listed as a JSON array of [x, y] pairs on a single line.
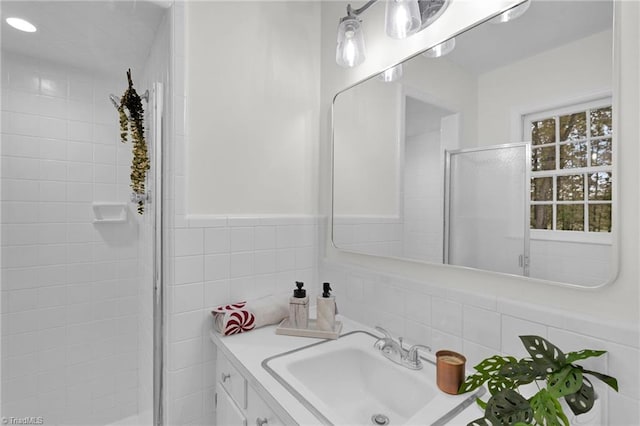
[[413, 360], [383, 331]]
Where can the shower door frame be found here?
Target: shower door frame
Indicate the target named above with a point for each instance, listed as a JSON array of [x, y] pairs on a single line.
[[158, 252], [524, 258]]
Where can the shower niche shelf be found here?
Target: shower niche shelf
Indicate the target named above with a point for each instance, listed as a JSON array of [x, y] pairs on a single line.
[[109, 212]]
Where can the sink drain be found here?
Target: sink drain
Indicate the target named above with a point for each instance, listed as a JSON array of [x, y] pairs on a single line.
[[379, 419]]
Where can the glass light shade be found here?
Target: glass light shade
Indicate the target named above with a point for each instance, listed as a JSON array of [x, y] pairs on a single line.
[[391, 74], [402, 18], [350, 50], [511, 14], [441, 49]]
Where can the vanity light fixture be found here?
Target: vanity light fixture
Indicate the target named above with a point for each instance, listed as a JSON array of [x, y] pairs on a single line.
[[511, 14], [441, 49], [21, 24], [391, 74], [350, 51], [402, 19]]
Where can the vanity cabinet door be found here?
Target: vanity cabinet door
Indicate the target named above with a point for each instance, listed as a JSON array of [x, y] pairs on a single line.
[[231, 380], [227, 412], [258, 412]]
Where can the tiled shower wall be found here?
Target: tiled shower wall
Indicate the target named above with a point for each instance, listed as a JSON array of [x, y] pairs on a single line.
[[69, 286], [480, 326]]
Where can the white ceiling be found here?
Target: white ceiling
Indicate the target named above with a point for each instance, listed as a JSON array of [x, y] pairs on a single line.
[[100, 36], [547, 24]]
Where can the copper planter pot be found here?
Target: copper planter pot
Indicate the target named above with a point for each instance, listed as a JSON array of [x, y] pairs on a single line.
[[450, 371]]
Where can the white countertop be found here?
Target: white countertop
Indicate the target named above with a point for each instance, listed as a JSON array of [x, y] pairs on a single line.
[[246, 351]]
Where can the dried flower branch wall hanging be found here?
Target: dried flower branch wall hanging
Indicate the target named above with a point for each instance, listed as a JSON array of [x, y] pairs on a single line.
[[132, 122]]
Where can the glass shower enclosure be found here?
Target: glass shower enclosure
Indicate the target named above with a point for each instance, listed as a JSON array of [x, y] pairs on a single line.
[[81, 268], [487, 213]]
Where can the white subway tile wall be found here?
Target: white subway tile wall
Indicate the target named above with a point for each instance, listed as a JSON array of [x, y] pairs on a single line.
[[69, 287], [245, 266], [481, 326], [373, 235]]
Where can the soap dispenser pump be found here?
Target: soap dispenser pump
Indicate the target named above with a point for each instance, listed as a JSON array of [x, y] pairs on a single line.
[[326, 319], [299, 307]]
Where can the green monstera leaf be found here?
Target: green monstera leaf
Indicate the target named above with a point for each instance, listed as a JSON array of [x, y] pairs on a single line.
[[547, 364], [565, 382], [544, 353], [583, 354], [494, 364], [524, 371], [581, 401], [472, 382], [498, 383], [547, 410], [483, 421], [611, 381], [508, 407]]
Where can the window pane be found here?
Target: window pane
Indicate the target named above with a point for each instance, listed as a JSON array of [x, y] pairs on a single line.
[[601, 122], [541, 217], [543, 158], [600, 218], [600, 186], [571, 188], [543, 131], [573, 155], [573, 127], [601, 152], [570, 217], [542, 189]]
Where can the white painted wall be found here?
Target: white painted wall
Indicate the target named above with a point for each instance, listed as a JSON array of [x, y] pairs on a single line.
[[252, 91], [367, 157], [449, 86], [549, 79], [423, 212], [618, 300]]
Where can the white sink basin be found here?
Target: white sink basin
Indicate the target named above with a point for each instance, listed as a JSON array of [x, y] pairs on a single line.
[[348, 382]]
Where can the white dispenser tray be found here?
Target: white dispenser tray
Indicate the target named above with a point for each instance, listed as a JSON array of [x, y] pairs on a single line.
[[311, 331], [109, 212]]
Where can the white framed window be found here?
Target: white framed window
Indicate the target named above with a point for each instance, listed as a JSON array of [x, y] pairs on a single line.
[[571, 169]]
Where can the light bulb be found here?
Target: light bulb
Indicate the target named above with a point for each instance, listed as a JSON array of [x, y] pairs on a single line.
[[21, 24], [441, 49], [402, 18], [391, 74], [350, 50]]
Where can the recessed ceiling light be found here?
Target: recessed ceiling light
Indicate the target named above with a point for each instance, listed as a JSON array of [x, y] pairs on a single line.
[[22, 25]]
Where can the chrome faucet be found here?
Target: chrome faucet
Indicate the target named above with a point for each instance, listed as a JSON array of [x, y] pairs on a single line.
[[394, 350]]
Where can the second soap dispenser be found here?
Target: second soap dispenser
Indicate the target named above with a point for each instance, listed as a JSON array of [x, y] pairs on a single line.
[[326, 319], [299, 308]]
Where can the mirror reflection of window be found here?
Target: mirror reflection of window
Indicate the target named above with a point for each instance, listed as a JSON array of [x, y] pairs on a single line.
[[572, 168]]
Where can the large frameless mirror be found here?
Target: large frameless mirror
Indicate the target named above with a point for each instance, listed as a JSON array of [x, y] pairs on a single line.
[[491, 151]]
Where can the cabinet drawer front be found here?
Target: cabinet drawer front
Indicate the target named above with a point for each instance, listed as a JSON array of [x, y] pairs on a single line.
[[227, 413], [259, 413], [231, 381]]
